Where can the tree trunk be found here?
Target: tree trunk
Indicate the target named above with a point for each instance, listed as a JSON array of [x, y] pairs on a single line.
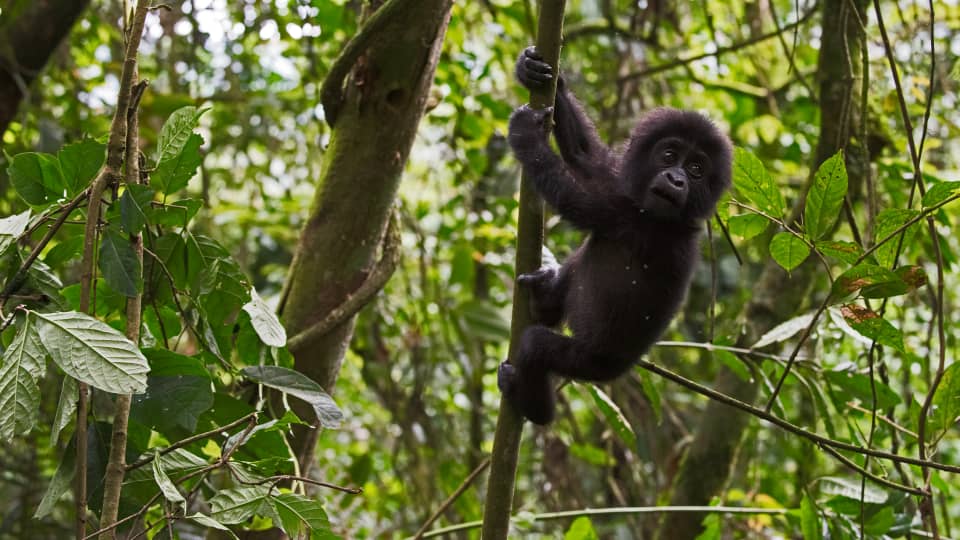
[[31, 32], [384, 99], [711, 456]]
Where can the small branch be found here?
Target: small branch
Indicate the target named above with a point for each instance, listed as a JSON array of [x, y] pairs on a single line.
[[375, 281], [719, 52], [191, 439], [467, 482], [331, 92], [735, 350], [276, 479]]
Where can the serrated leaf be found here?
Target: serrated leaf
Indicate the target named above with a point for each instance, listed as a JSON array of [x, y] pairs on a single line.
[[784, 330], [298, 385], [825, 196], [176, 131], [614, 416], [265, 322], [872, 326], [119, 264], [167, 487], [79, 163], [300, 516], [236, 505], [887, 222], [37, 178], [66, 406], [940, 192], [847, 252], [747, 226], [809, 520], [92, 352], [753, 181], [788, 250], [173, 173], [22, 364]]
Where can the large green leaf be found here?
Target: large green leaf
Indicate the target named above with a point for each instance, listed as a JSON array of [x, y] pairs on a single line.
[[176, 131], [173, 173], [788, 250], [809, 520], [887, 222], [857, 385], [874, 282], [940, 192], [236, 505], [946, 402], [37, 178], [752, 180], [22, 364], [178, 391], [784, 330], [301, 517], [92, 352], [825, 196], [80, 162], [871, 325], [119, 264], [298, 385]]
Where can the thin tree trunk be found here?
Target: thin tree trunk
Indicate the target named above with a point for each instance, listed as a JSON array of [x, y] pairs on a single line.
[[712, 454], [506, 441]]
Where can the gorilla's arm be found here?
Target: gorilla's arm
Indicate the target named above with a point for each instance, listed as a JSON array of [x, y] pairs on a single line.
[[585, 209], [575, 133]]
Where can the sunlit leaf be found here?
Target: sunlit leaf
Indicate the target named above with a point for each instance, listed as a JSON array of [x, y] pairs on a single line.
[[788, 250], [825, 197], [752, 180]]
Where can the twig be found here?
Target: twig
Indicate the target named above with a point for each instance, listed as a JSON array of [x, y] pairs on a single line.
[[276, 479], [453, 497], [193, 438]]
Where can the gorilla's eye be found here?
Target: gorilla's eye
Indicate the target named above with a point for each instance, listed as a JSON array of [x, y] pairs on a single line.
[[669, 156], [695, 169]]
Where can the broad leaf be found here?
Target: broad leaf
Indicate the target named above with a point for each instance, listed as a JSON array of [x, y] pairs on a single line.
[[207, 521], [119, 264], [92, 352], [173, 173], [614, 416], [809, 520], [788, 250], [66, 406], [847, 252], [887, 222], [298, 385], [60, 483], [176, 131], [79, 163], [940, 192], [825, 196], [178, 392], [747, 226], [857, 385], [841, 487], [946, 402], [871, 325], [232, 506], [753, 181], [37, 178], [581, 529], [167, 487], [301, 517], [264, 321], [22, 364], [874, 282], [134, 205], [784, 330]]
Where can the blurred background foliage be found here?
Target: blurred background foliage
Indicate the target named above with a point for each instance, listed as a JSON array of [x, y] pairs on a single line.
[[418, 387]]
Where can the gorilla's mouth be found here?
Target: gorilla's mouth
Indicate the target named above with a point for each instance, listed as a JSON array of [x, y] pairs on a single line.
[[668, 195]]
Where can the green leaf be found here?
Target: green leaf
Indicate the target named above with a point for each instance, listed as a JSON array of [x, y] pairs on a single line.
[[66, 406], [207, 521], [652, 394], [946, 402], [119, 264], [37, 178], [92, 352], [178, 392], [747, 226], [847, 252], [788, 250], [940, 192], [581, 529], [825, 196], [173, 173], [484, 321], [22, 364], [857, 386], [176, 131], [167, 487], [301, 517], [784, 330], [841, 487], [872, 326], [298, 385], [175, 214], [614, 416], [887, 222], [236, 505], [134, 204], [59, 484], [264, 321], [753, 181], [874, 282], [809, 520], [80, 163]]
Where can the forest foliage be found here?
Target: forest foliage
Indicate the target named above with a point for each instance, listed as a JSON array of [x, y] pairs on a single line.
[[820, 324]]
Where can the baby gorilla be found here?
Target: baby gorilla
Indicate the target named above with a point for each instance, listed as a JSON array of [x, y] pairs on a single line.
[[643, 207]]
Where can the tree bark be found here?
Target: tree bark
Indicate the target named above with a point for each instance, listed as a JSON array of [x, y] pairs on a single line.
[[373, 131], [712, 454], [32, 31]]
